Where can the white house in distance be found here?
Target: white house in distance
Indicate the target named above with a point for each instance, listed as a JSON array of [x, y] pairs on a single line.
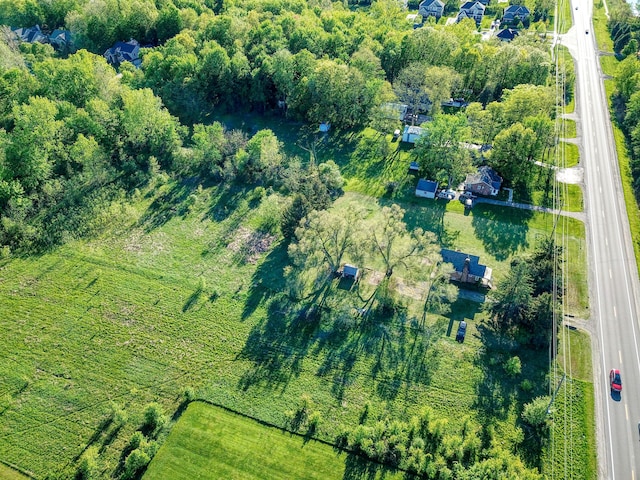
[[411, 134], [426, 188]]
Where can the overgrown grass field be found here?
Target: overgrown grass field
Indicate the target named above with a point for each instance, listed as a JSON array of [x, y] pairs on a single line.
[[210, 442], [170, 294]]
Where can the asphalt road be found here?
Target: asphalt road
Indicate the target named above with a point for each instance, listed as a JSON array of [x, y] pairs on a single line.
[[613, 275]]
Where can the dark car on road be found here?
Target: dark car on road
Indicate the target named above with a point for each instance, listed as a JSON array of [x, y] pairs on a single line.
[[615, 380], [462, 331]]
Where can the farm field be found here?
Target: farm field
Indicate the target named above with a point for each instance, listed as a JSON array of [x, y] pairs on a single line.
[[168, 299], [209, 442]]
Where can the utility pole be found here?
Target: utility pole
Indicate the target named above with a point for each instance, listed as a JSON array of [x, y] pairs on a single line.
[[553, 397]]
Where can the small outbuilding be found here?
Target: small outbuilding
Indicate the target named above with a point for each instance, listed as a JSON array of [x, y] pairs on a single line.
[[426, 188], [411, 134], [350, 271], [325, 127], [414, 167]]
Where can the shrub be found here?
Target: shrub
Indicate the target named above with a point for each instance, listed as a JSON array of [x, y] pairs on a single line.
[[136, 440], [88, 466], [513, 366], [154, 418], [136, 461], [526, 385]]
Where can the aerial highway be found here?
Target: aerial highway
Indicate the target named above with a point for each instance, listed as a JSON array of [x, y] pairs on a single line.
[[613, 276]]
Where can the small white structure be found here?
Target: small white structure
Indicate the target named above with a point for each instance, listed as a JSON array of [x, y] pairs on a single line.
[[426, 188], [411, 134]]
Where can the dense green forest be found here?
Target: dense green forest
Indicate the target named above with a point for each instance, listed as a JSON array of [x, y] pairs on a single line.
[[71, 123], [78, 135]]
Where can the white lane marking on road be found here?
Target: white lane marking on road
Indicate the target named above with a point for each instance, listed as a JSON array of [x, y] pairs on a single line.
[[610, 274], [626, 411], [615, 312], [620, 357]]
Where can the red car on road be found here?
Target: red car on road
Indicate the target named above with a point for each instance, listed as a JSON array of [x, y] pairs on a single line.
[[615, 380]]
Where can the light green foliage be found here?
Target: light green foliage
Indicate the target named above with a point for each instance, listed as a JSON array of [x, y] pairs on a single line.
[[535, 412], [88, 467], [135, 461], [34, 142], [439, 151], [513, 154], [150, 130], [513, 366]]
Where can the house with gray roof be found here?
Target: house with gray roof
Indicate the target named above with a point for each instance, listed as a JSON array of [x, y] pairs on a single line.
[[426, 188], [473, 9], [484, 182], [467, 268], [515, 13], [60, 39], [124, 52], [507, 34], [431, 8], [30, 34]]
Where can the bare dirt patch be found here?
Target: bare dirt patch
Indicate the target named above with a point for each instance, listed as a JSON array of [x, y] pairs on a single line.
[[248, 245]]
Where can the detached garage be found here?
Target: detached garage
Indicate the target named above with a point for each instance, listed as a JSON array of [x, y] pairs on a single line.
[[426, 188]]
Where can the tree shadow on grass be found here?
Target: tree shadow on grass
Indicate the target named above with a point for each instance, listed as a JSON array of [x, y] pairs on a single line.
[[267, 279], [359, 468], [171, 204], [502, 230], [279, 343], [100, 429], [429, 215], [496, 392]]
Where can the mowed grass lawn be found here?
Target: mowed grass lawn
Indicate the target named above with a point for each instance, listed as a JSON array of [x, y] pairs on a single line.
[[209, 442], [8, 473]]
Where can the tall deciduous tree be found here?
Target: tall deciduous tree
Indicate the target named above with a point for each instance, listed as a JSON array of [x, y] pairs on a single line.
[[395, 246], [439, 150], [512, 298], [149, 129], [325, 237], [34, 141], [513, 153]]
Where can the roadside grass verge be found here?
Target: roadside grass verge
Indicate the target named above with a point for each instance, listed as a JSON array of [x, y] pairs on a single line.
[[209, 442], [568, 153], [565, 20], [573, 411], [633, 210], [609, 64], [573, 200], [569, 128], [571, 453], [605, 44], [575, 353]]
